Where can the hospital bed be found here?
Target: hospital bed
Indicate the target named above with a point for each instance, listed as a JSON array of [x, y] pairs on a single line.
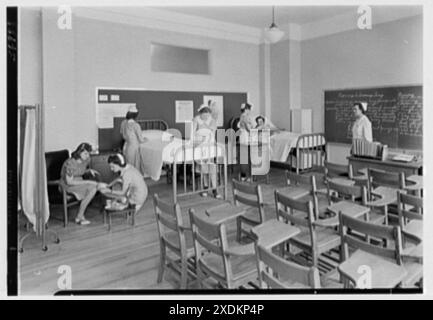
[[180, 159]]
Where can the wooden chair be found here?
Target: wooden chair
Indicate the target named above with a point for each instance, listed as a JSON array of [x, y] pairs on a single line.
[[314, 238], [173, 236], [231, 267], [378, 178], [387, 182], [410, 217], [357, 194], [278, 273], [385, 267], [319, 200], [251, 195], [56, 192], [334, 170]]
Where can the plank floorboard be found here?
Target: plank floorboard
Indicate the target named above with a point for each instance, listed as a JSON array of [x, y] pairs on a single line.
[[124, 258]]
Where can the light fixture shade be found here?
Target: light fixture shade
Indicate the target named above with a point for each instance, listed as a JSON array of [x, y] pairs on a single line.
[[273, 34]]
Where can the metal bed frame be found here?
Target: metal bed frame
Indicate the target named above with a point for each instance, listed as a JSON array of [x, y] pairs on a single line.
[[309, 154], [188, 167]]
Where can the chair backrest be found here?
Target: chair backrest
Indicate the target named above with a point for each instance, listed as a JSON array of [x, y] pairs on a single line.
[[288, 209], [352, 239], [169, 220], [211, 239], [409, 207], [378, 178], [274, 271], [295, 179], [338, 191], [334, 170], [250, 195], [54, 162]]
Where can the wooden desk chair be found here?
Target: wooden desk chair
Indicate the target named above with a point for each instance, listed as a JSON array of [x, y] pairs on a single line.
[[231, 267], [278, 273], [56, 190], [357, 194], [173, 236], [389, 182], [334, 170], [393, 180], [319, 199], [410, 217], [314, 238], [387, 267], [251, 195]]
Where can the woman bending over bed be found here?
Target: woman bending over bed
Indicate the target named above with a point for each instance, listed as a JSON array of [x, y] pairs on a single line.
[[132, 134], [204, 126]]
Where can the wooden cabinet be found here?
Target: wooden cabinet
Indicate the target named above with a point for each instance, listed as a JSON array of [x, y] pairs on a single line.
[[301, 121], [99, 162]]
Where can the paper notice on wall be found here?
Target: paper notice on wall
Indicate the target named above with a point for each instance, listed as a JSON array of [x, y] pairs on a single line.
[[106, 112], [184, 111], [217, 106]]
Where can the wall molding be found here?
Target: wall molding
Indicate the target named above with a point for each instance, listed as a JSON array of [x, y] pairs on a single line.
[[163, 20], [176, 22], [348, 21]]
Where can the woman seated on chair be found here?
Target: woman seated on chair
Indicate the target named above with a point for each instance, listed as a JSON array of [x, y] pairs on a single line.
[[72, 179], [134, 188]]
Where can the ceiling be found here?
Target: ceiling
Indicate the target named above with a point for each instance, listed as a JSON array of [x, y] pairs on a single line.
[[260, 16]]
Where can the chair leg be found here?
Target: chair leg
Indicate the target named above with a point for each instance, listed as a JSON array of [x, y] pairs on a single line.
[[315, 259], [65, 210], [161, 262], [133, 218], [239, 229], [184, 273]]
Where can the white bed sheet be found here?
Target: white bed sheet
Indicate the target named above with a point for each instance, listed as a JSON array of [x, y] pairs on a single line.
[[154, 153], [281, 145]]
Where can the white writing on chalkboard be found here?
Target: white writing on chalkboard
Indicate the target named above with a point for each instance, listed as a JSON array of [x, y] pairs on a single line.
[[395, 114]]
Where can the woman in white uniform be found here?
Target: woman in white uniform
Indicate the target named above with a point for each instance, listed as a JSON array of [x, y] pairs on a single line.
[[134, 187], [245, 125], [362, 126], [204, 127]]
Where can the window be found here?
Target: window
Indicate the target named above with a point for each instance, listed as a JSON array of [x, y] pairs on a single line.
[[168, 58]]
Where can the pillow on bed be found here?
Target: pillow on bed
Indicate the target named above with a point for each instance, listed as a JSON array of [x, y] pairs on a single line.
[[156, 135]]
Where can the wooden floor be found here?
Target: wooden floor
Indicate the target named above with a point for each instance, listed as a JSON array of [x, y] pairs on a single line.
[[124, 258]]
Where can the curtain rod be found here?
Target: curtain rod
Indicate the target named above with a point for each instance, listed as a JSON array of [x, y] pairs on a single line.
[[26, 107]]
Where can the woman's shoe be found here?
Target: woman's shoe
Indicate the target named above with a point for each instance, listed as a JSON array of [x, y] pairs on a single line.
[[203, 194], [216, 194], [82, 222]]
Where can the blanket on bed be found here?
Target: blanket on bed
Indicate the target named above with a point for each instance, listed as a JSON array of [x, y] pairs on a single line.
[[281, 144]]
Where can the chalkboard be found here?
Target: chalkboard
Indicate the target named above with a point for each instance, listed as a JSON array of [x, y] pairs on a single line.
[[161, 105], [395, 114]]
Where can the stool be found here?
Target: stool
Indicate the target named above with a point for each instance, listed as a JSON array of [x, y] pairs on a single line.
[[128, 212]]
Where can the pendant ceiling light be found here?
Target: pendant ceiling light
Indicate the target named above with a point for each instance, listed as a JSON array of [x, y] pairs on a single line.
[[273, 34]]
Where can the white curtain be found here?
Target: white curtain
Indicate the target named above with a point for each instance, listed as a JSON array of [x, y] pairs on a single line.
[[29, 183]]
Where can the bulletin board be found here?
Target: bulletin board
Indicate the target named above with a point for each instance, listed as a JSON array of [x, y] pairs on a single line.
[[153, 104]]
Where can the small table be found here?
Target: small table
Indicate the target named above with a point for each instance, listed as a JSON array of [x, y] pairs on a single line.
[[274, 232], [223, 213], [129, 211]]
